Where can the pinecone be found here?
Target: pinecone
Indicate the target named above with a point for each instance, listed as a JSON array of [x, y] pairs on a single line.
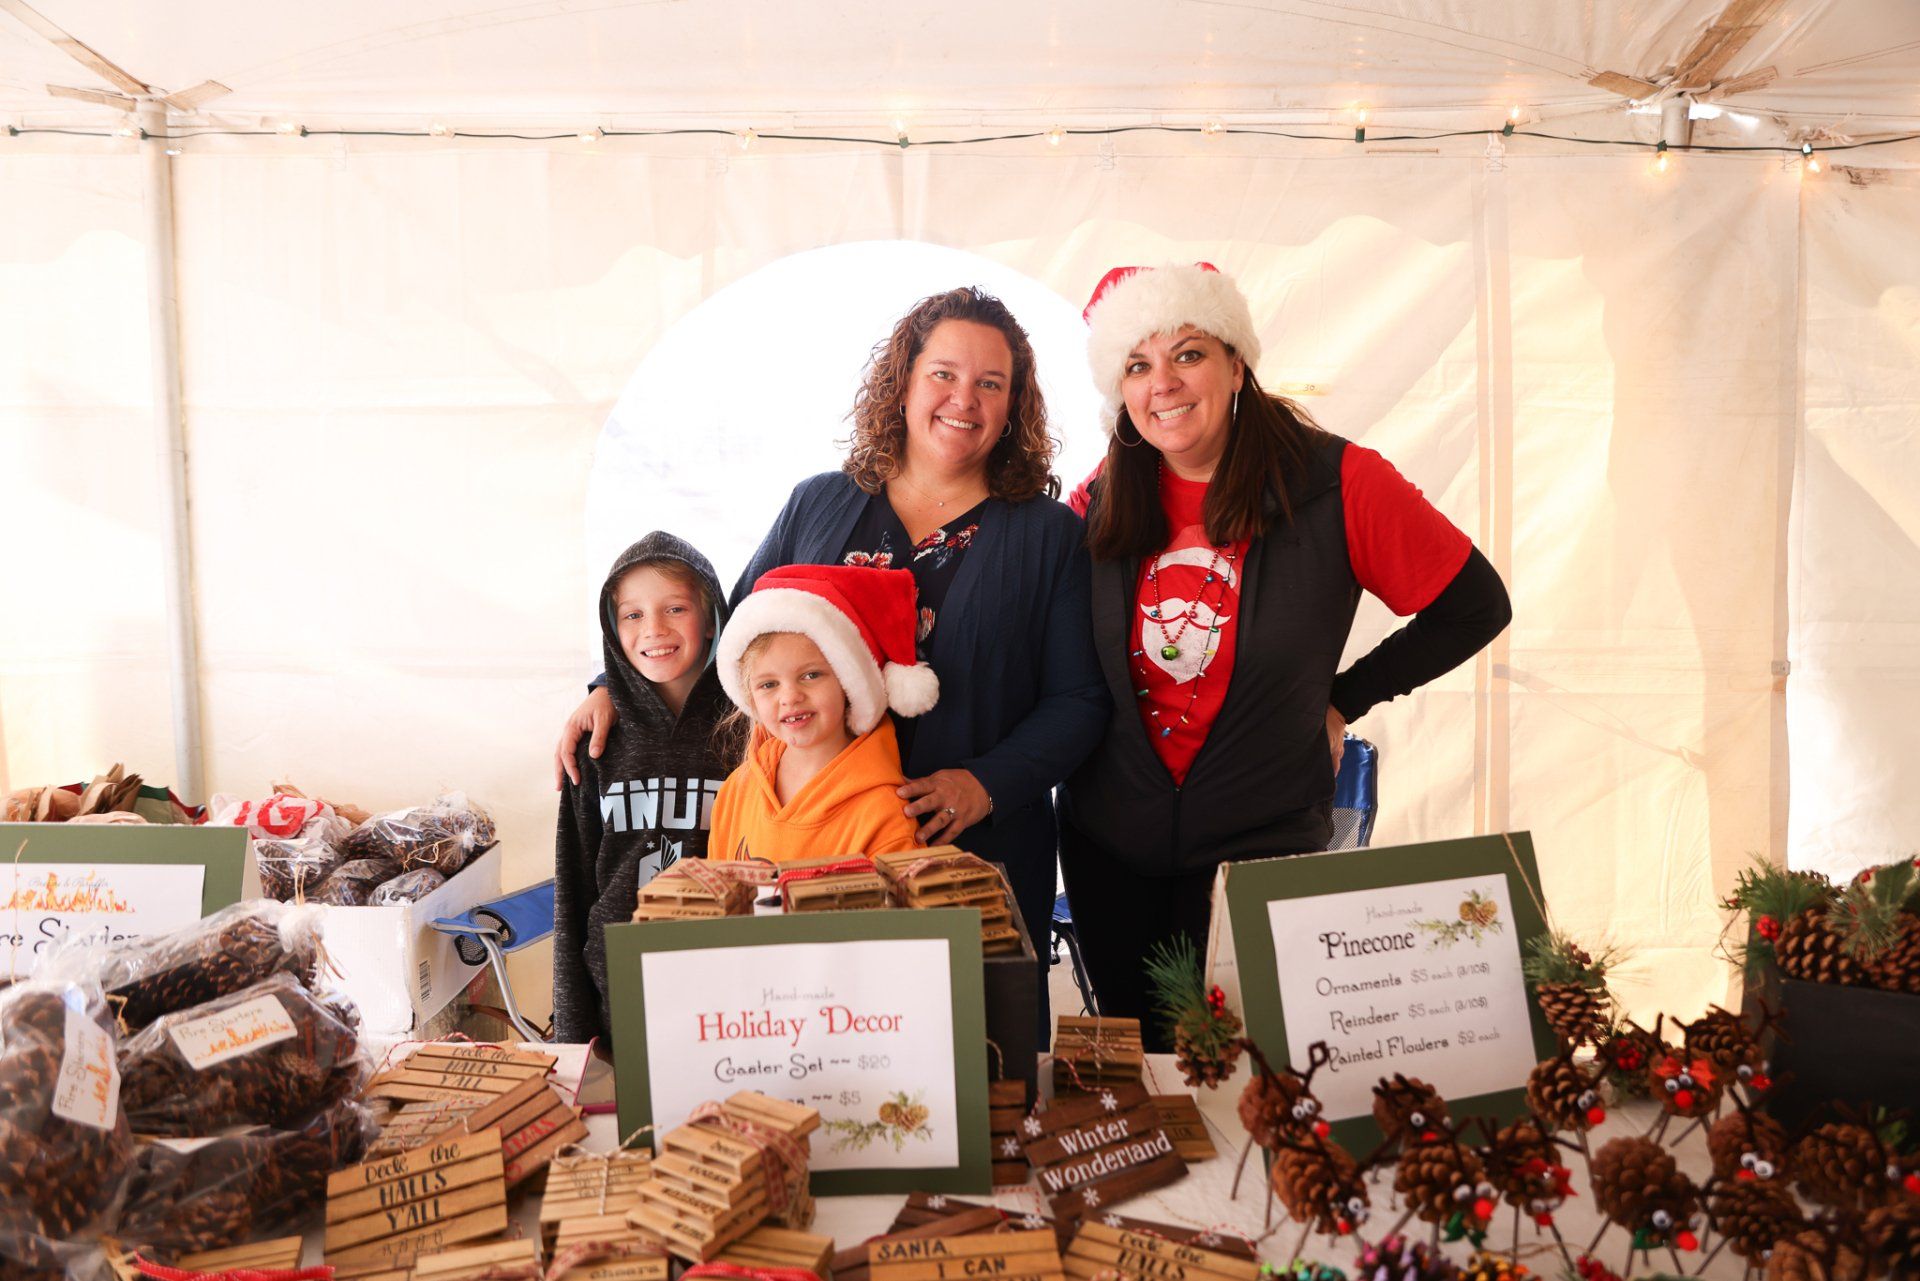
[[1752, 1215], [231, 949], [1520, 1163], [1317, 1184], [1894, 1233], [1840, 1164], [1576, 1014], [1407, 1109], [1738, 1136], [1723, 1039], [1627, 1174], [1267, 1108], [1627, 1052], [1897, 969], [1560, 1093], [1208, 1059], [1429, 1175], [1812, 1255], [1809, 950]]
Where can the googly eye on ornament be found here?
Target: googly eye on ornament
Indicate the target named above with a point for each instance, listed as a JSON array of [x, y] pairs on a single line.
[[1462, 1193], [1587, 1100], [1418, 1120], [1748, 1160], [1662, 1220], [1763, 1168], [1743, 1072], [1673, 1086], [1485, 1189]]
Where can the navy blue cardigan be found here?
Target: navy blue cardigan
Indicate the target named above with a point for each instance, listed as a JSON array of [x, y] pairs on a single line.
[[1022, 697]]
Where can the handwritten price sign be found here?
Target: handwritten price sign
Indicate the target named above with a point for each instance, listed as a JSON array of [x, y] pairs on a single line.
[[42, 903]]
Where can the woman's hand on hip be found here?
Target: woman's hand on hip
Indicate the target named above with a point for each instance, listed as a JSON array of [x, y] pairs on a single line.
[[595, 716], [951, 801], [1336, 737]]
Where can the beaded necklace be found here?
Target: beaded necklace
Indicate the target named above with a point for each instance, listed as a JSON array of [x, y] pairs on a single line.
[[1223, 558]]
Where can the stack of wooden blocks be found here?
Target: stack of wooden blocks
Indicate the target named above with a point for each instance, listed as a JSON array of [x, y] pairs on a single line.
[[770, 1247], [448, 1087], [945, 876], [1006, 1108], [832, 885], [1095, 1054], [711, 1184], [589, 1196], [693, 889]]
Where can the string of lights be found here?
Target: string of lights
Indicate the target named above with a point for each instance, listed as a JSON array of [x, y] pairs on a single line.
[[1054, 137]]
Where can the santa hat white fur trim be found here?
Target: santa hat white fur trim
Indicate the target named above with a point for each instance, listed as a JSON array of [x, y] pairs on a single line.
[[1159, 300], [788, 609], [911, 690]]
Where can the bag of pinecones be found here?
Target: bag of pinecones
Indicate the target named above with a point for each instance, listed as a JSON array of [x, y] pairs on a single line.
[[444, 836], [186, 1196], [354, 883], [408, 887], [64, 1140], [270, 1054], [232, 949]]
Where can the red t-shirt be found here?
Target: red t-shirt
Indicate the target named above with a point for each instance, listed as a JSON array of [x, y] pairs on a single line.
[[1400, 546]]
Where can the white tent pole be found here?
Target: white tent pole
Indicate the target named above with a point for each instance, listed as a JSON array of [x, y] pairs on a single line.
[[1676, 120], [176, 542]]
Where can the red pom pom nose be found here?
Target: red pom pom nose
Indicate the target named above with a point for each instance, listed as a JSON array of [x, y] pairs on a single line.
[[1483, 1209], [1686, 1240], [1596, 1115], [1912, 1184], [1322, 1128], [1683, 1099]]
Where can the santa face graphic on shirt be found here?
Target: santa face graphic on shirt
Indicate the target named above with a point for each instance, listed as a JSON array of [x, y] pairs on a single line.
[[1187, 611]]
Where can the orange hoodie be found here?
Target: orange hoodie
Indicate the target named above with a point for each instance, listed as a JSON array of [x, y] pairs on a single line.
[[847, 808]]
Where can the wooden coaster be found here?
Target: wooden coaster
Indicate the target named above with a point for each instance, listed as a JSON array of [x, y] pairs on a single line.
[[1099, 1247], [472, 1263], [1180, 1117], [383, 1215], [592, 1186], [1010, 1256], [946, 876], [280, 1254], [1091, 1053], [683, 892], [1006, 1108], [771, 1247], [607, 1247], [1093, 1151], [710, 1184], [851, 1264], [856, 886]]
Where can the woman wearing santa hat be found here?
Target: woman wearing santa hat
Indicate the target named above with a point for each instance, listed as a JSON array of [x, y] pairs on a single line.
[[1231, 539]]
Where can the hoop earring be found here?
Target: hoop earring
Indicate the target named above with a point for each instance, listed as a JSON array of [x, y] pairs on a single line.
[[1138, 439], [1007, 430]]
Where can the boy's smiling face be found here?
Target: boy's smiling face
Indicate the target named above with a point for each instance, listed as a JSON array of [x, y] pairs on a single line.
[[663, 628]]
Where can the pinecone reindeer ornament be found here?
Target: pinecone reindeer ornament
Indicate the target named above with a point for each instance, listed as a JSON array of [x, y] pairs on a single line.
[[1320, 1185], [1442, 1182], [1407, 1110], [1278, 1107], [1638, 1185], [1522, 1161]]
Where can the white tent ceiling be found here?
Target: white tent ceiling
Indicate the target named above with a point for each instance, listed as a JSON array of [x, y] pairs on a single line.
[[1846, 64]]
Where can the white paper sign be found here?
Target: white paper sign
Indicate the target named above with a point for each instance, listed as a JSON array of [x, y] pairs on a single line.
[[1421, 979], [240, 1029], [87, 1091], [110, 903], [862, 1031]]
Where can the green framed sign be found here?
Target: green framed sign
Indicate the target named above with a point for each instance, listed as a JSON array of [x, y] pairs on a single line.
[[115, 881], [1402, 959], [876, 1019]]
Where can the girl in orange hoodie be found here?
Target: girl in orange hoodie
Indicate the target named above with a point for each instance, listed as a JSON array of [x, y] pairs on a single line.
[[817, 655]]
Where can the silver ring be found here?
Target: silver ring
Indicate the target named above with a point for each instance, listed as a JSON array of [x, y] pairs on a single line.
[[948, 811]]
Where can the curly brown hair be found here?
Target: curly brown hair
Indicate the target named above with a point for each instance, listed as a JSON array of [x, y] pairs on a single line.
[[1020, 466]]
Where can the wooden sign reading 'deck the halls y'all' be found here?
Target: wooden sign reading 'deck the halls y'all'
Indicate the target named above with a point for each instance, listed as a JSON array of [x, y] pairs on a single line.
[[382, 1215], [1007, 1256], [1094, 1151], [1148, 1256]]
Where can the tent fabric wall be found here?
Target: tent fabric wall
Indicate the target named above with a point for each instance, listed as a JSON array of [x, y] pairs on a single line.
[[396, 364]]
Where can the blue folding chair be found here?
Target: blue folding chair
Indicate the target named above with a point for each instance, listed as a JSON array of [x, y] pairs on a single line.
[[1356, 795], [490, 930]]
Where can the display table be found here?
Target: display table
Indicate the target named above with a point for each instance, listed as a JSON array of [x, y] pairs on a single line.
[[1202, 1199]]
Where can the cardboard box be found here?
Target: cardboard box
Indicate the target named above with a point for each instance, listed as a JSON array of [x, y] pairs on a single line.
[[1854, 1045], [1013, 1007], [397, 968]]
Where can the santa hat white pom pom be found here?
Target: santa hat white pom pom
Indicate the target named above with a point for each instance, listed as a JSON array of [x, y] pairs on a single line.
[[911, 690]]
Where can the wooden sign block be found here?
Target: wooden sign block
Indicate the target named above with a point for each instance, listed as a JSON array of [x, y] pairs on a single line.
[[832, 885], [607, 1248], [495, 1262], [1093, 1151], [1135, 1255], [1180, 1117], [771, 1247], [851, 1264], [591, 1186], [382, 1215], [1006, 1109], [710, 1184], [279, 1255], [685, 892], [1028, 1255], [1089, 1053], [532, 1138]]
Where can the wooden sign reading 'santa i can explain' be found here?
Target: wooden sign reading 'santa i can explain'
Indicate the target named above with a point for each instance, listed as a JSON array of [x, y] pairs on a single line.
[[1096, 1150]]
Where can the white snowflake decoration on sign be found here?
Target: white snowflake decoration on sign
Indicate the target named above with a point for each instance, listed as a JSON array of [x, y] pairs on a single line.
[[1032, 1126], [1108, 1102], [1033, 1222], [1010, 1147], [936, 1203], [1112, 1220], [1090, 1197]]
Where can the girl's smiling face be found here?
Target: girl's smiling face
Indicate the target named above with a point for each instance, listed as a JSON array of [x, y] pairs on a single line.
[[662, 625], [796, 696]]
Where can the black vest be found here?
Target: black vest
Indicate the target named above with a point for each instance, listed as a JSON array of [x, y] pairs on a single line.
[[1262, 784]]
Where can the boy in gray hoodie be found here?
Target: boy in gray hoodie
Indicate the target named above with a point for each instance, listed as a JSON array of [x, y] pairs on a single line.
[[648, 799]]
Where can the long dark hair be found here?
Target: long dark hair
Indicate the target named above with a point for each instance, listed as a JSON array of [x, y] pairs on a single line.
[[1020, 465], [1267, 450]]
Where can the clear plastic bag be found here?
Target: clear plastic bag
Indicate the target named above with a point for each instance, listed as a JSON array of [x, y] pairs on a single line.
[[292, 868], [64, 1139], [270, 1054], [408, 887], [445, 835], [234, 948], [353, 884], [204, 1194]]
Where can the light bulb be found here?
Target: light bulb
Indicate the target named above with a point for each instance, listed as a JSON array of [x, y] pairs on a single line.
[[747, 139], [1054, 135], [440, 129], [1513, 114], [1360, 116], [590, 134], [173, 151], [128, 131], [290, 129], [899, 127], [1211, 128], [1813, 164], [1662, 163]]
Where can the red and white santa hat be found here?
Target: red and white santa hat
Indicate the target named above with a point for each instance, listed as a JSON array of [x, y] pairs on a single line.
[[863, 620], [1134, 303]]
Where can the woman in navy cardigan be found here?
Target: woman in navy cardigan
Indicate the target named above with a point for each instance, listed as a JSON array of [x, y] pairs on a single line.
[[949, 476]]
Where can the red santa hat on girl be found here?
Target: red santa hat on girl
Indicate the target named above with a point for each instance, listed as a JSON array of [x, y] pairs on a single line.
[[862, 619], [1134, 303]]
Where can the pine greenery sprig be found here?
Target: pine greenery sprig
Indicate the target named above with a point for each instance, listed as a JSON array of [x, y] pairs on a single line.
[[1765, 897], [1553, 957], [1867, 914], [1180, 995]]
